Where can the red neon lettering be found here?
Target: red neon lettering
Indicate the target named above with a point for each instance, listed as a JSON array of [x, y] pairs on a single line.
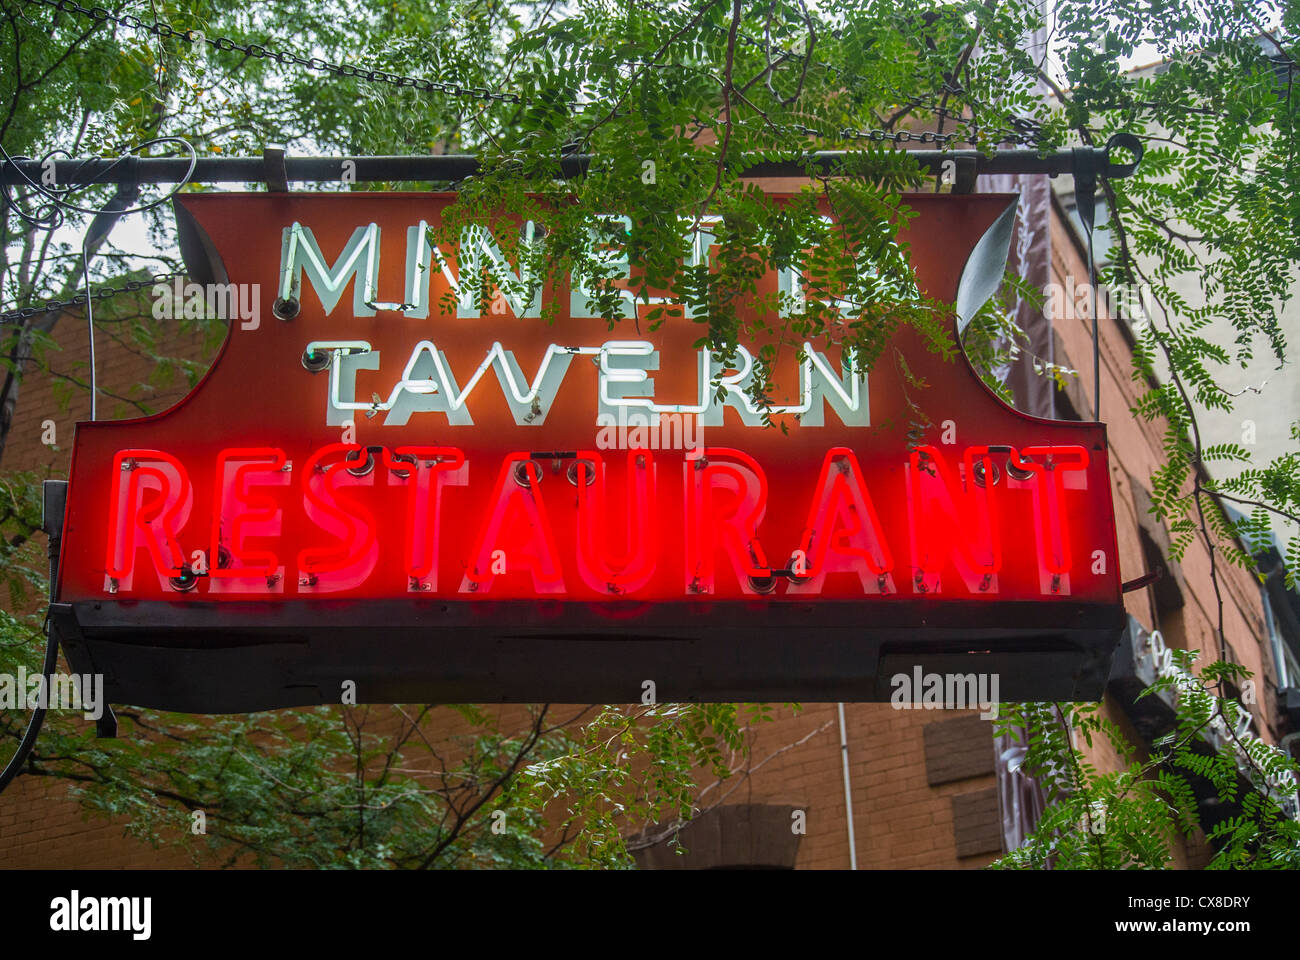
[[843, 532], [637, 566], [426, 470], [961, 528], [534, 550], [350, 562], [1053, 531], [244, 513], [737, 531], [136, 519]]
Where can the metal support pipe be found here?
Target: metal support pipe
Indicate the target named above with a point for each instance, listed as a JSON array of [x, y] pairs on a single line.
[[848, 793], [453, 167]]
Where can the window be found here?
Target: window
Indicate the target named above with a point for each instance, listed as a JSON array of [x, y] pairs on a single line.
[[733, 836]]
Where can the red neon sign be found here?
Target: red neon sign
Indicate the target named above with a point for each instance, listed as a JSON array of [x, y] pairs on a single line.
[[636, 565], [150, 500], [449, 456], [241, 512]]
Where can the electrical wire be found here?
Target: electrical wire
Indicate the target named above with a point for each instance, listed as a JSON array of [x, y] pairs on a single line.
[[90, 324], [1096, 330], [55, 194], [50, 215], [28, 742]]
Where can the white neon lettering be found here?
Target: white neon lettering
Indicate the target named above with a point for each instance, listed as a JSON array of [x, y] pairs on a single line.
[[428, 384], [328, 282], [419, 253], [520, 289]]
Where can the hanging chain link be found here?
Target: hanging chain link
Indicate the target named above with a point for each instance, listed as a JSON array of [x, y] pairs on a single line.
[[103, 293], [1026, 131], [907, 136], [1023, 130], [257, 50]]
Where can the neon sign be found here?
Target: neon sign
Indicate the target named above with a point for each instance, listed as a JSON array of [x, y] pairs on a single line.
[[358, 452], [352, 507]]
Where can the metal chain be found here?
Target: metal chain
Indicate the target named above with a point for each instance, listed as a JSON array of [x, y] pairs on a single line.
[[1028, 132], [103, 293], [257, 50], [903, 136], [877, 136]]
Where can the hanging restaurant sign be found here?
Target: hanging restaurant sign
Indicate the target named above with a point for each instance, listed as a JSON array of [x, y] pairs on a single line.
[[390, 481]]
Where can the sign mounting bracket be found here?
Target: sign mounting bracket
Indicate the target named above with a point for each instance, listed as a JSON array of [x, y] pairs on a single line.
[[274, 169]]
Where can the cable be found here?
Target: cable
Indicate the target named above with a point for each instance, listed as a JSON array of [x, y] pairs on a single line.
[[28, 742], [90, 324], [1085, 204], [53, 213], [50, 216], [55, 195], [1096, 331]]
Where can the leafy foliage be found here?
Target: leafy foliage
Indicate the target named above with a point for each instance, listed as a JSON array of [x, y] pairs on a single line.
[[1131, 817]]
